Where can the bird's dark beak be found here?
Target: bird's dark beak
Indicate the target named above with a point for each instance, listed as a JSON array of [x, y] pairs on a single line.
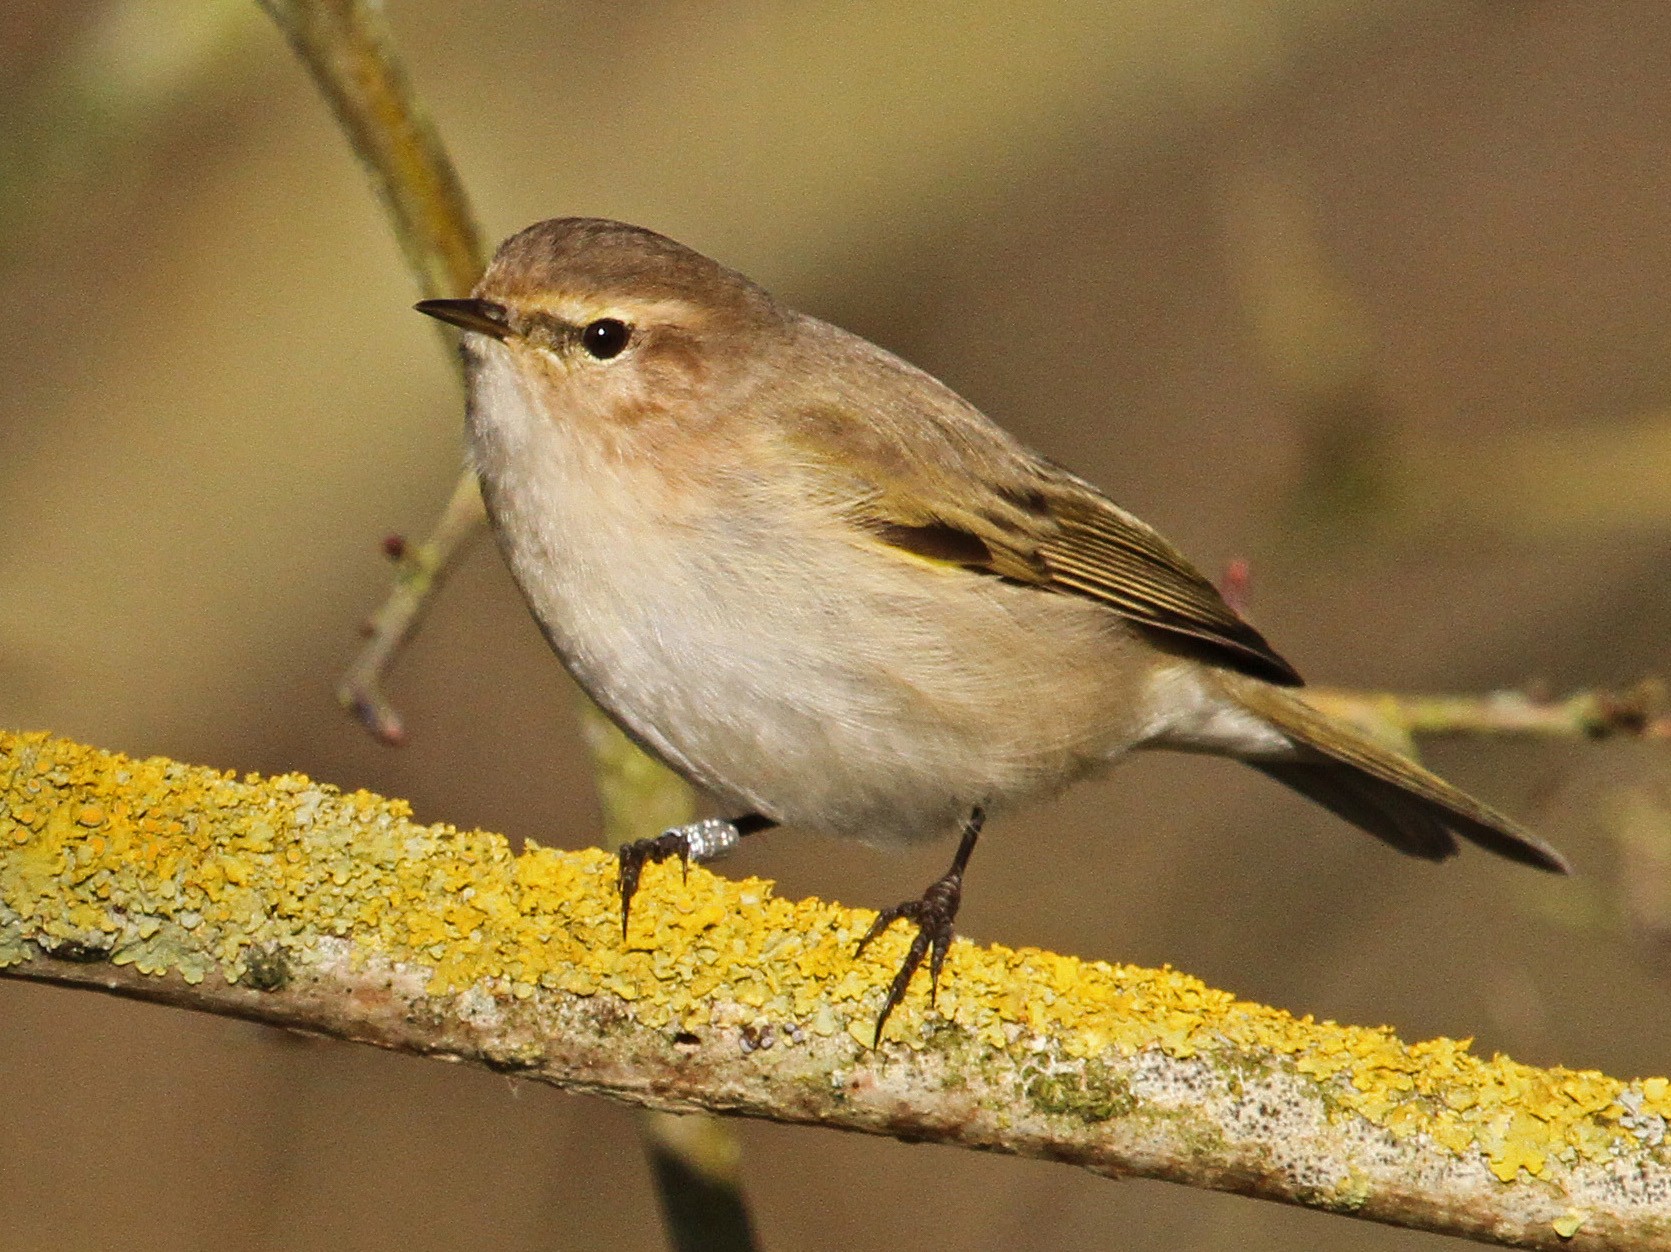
[[482, 316]]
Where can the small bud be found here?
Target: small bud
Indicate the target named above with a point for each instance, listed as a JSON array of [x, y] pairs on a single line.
[[1237, 584]]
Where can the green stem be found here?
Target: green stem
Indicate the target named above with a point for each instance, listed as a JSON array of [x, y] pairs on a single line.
[[347, 47]]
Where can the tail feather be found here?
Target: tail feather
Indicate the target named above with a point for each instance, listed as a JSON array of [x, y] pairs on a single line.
[[1377, 789], [1369, 804]]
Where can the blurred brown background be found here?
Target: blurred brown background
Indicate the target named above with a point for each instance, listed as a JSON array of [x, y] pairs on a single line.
[[1372, 293]]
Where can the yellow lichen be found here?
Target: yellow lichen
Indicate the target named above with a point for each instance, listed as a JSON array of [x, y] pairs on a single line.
[[171, 868], [1567, 1224]]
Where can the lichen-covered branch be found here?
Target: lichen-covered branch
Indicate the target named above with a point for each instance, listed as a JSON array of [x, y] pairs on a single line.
[[282, 900]]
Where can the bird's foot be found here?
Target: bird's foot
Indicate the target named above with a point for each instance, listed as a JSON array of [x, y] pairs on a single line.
[[933, 915], [706, 840]]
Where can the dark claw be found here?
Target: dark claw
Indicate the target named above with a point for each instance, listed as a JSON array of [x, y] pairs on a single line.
[[705, 840], [933, 916], [633, 857]]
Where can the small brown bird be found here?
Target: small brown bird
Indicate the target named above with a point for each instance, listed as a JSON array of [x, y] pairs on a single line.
[[821, 585]]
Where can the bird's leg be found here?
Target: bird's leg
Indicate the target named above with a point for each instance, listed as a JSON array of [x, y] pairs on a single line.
[[933, 914], [706, 840]]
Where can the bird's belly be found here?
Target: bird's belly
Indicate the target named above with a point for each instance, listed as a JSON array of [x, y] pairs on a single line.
[[829, 687]]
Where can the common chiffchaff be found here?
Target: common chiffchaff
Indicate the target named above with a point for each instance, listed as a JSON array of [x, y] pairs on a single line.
[[818, 583]]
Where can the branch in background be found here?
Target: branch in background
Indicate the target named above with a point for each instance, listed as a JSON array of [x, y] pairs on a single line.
[[283, 901], [1638, 713], [347, 47], [421, 570]]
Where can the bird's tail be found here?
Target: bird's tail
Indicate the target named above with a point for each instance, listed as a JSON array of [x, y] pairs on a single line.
[[1377, 789]]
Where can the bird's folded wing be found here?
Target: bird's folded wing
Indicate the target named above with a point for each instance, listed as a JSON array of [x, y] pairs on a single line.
[[937, 480]]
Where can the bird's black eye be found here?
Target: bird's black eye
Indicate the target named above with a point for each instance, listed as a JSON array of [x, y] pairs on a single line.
[[605, 337]]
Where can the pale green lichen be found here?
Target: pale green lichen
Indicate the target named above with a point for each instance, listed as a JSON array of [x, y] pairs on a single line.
[[180, 869], [1351, 1193], [1089, 1091]]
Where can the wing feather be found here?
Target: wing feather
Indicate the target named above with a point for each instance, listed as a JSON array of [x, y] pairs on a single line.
[[918, 469]]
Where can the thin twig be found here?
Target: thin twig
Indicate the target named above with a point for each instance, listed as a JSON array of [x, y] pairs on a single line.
[[1638, 713], [283, 901], [421, 571], [347, 47]]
